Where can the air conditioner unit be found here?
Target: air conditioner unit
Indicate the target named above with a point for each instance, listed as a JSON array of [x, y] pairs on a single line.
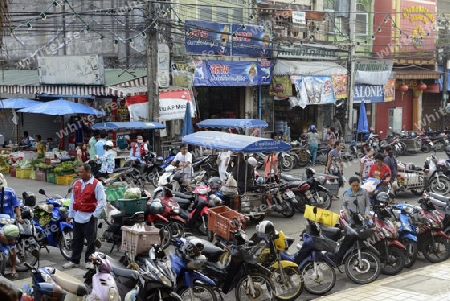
[[342, 8]]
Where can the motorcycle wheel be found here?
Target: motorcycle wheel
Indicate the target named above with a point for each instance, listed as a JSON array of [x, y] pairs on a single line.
[[288, 209], [416, 192], [203, 228], [293, 286], [326, 200], [437, 249], [443, 187], [201, 292], [411, 252], [154, 178], [302, 163], [286, 164], [368, 272], [164, 295], [393, 262], [177, 229], [318, 277], [165, 233], [301, 203], [439, 146], [65, 243], [263, 286], [296, 161], [257, 218], [23, 255], [426, 148], [403, 148]]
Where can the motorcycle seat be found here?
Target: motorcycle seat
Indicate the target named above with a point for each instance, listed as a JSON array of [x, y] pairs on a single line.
[[286, 256], [70, 283], [289, 178], [183, 195], [333, 233], [212, 252], [132, 274], [182, 202], [440, 197]]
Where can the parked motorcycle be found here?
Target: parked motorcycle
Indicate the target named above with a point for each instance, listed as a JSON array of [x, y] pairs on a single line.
[[310, 192], [27, 248], [407, 231], [51, 226]]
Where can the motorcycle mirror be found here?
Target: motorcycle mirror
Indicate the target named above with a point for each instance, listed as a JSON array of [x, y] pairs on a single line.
[[357, 173], [42, 191], [70, 190], [315, 210]]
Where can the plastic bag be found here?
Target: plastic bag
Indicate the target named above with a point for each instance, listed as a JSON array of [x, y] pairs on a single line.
[[132, 193], [231, 182], [24, 164]]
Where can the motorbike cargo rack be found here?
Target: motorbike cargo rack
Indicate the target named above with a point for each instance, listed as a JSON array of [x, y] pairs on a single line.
[[221, 221], [332, 183], [138, 239]]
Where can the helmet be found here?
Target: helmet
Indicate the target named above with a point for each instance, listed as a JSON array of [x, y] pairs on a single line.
[[382, 197], [214, 200], [215, 183], [11, 232], [109, 143], [197, 263], [312, 127], [265, 229], [252, 161], [193, 248], [3, 181], [260, 180]]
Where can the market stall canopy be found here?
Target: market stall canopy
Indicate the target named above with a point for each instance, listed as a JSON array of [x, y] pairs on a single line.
[[61, 107], [308, 68], [234, 142], [232, 123], [17, 103], [113, 126]]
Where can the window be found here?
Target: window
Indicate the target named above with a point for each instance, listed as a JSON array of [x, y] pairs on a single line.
[[205, 13], [238, 15], [362, 24], [221, 14], [330, 23]]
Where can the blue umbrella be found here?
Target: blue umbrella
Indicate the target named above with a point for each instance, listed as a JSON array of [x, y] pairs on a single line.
[[363, 124], [61, 107], [188, 128], [17, 103]]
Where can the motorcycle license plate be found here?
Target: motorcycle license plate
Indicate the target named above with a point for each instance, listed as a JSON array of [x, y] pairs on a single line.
[[290, 194]]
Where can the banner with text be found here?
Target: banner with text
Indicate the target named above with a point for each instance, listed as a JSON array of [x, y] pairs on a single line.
[[231, 73], [172, 104], [210, 38], [368, 94], [315, 90]]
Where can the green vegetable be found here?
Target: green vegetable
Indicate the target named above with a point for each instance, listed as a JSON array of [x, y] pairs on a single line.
[[132, 193]]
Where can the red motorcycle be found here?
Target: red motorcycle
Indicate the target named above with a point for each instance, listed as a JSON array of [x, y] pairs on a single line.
[[198, 217]]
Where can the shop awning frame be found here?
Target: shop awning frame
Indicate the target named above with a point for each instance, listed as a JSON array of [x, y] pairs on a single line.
[[307, 68], [232, 123], [415, 73], [134, 125]]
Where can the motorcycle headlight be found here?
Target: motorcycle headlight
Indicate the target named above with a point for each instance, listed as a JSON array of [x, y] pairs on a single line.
[[386, 233], [176, 209]]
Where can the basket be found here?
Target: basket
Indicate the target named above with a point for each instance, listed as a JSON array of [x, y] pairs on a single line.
[[131, 206], [324, 244], [64, 179], [114, 192], [12, 172], [40, 175], [324, 217], [139, 239], [51, 177], [220, 221], [24, 173]]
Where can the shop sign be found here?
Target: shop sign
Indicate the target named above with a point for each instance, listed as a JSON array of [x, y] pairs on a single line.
[[374, 65], [368, 94], [71, 70], [340, 85], [226, 39], [314, 90], [305, 52], [231, 73], [299, 17], [389, 90], [172, 104], [163, 77]]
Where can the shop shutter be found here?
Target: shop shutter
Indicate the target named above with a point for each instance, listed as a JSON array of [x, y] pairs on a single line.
[[38, 124]]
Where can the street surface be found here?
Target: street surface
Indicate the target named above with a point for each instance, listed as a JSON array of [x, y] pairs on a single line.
[[292, 227]]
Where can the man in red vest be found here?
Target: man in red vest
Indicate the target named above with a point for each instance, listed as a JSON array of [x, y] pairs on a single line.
[[139, 151], [86, 204]]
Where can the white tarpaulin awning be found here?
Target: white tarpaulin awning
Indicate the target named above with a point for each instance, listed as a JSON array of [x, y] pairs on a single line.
[[308, 68], [372, 77]]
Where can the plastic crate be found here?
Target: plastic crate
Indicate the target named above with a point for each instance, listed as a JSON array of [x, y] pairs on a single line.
[[40, 175], [12, 172], [64, 179], [4, 168], [220, 221], [51, 178], [131, 206], [114, 192], [139, 239], [24, 173]]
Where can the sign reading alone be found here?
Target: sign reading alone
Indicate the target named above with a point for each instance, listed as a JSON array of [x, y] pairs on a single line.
[[71, 70]]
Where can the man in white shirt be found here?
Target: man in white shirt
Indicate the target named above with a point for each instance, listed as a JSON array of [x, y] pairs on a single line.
[[139, 150], [185, 167]]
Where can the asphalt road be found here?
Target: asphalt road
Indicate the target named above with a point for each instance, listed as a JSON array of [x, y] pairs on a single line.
[[290, 226]]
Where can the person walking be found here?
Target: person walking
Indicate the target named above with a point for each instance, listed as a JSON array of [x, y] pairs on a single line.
[[86, 203], [10, 205], [336, 124], [331, 137], [223, 161], [358, 194], [313, 142], [92, 142], [99, 149], [334, 164], [271, 168], [107, 161], [366, 163]]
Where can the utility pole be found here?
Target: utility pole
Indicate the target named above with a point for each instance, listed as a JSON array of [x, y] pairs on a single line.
[[152, 64], [351, 62], [444, 88]]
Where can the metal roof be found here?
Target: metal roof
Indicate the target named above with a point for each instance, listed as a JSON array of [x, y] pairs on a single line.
[[31, 77]]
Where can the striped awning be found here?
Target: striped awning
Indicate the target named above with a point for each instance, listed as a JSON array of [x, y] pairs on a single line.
[[61, 90], [130, 88], [415, 73], [308, 68]]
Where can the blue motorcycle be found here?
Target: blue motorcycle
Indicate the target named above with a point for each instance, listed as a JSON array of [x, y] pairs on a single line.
[[57, 232], [407, 231], [185, 263]]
